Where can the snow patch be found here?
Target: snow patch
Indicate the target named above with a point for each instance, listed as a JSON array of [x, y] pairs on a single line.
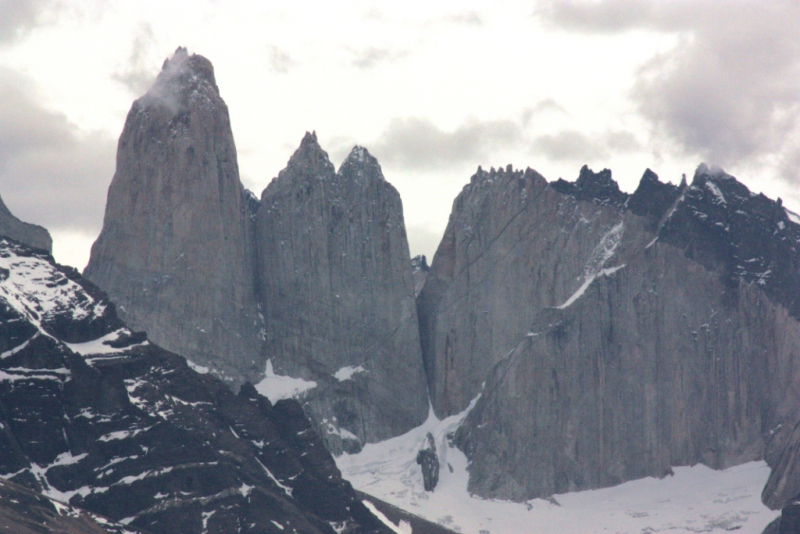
[[403, 528], [284, 487], [101, 346], [581, 290], [594, 269], [276, 387], [39, 291], [795, 218], [346, 373], [198, 368], [18, 348], [720, 198]]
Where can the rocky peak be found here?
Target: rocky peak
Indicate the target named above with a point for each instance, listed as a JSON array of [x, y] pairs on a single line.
[[653, 198], [596, 187], [183, 78], [337, 296], [29, 234], [361, 167], [176, 251], [740, 235], [309, 161]]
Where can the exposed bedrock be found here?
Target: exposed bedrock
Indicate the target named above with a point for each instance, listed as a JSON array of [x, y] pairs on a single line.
[[338, 295], [621, 334], [176, 250], [30, 234]]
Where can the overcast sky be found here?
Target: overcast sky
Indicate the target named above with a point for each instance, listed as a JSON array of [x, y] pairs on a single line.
[[432, 90]]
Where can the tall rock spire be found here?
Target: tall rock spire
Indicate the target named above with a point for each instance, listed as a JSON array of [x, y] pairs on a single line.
[[338, 296], [175, 252]]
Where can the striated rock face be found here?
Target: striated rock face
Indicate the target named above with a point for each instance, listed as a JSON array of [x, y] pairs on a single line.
[[29, 234], [176, 251], [96, 416], [625, 334], [338, 295], [501, 260]]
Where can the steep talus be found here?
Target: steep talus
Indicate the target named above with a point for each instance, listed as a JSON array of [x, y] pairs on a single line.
[[338, 295], [624, 333], [176, 250], [94, 415], [30, 234]]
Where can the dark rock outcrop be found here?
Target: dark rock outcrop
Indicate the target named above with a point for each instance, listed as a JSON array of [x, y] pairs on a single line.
[[24, 511], [338, 296], [789, 520], [176, 250], [29, 234], [97, 416], [419, 269], [625, 334], [428, 460]]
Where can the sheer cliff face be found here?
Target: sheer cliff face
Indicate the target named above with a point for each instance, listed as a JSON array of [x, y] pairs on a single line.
[[314, 278], [648, 330], [513, 246], [176, 250], [338, 295]]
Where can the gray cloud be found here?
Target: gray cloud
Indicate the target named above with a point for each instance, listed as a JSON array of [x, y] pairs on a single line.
[[729, 90], [572, 145], [415, 143], [17, 17], [51, 173], [548, 105], [280, 61], [138, 74], [371, 57]]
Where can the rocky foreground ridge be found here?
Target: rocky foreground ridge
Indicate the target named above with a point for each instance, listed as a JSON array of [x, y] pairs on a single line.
[[310, 281], [94, 414]]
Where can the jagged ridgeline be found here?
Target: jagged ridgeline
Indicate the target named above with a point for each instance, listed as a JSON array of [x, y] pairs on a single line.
[[617, 335], [609, 336], [312, 281]]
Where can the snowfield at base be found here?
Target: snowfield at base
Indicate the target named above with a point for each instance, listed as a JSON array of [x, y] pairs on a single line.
[[695, 499], [277, 387]]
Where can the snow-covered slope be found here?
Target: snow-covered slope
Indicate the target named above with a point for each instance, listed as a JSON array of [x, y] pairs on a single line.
[[94, 416], [694, 499]]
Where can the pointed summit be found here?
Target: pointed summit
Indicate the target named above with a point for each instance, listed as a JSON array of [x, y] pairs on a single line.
[[337, 294], [653, 198], [183, 78], [308, 162], [175, 250], [361, 166], [592, 186]]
